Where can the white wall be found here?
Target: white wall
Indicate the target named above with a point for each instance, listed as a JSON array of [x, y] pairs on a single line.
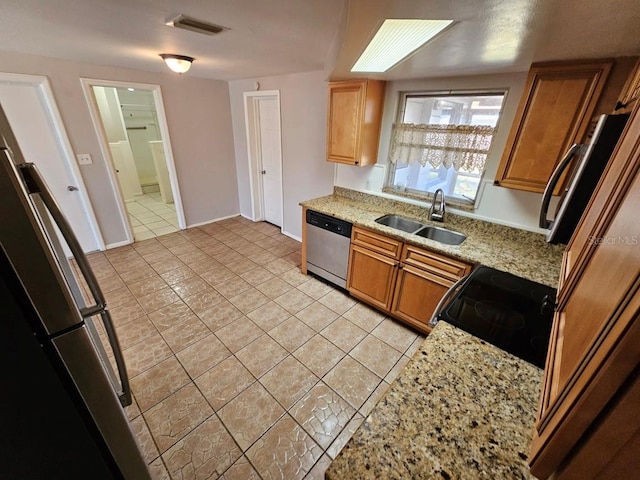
[[305, 172], [496, 204], [199, 120]]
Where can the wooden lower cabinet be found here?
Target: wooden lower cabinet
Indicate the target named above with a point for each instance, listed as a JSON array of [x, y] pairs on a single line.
[[371, 277], [405, 281], [416, 296]]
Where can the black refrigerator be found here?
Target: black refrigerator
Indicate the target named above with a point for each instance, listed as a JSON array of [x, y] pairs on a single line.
[[589, 162], [64, 377]]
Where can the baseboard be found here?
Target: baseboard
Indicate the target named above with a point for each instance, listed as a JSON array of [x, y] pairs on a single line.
[[118, 244], [213, 221], [291, 235]]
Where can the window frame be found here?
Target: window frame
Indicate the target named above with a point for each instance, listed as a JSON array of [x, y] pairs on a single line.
[[464, 203]]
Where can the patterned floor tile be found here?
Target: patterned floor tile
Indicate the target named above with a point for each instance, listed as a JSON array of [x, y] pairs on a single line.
[[352, 381], [203, 355], [337, 301], [376, 355], [274, 288], [395, 334], [317, 316], [154, 385], [345, 436], [323, 414], [343, 334], [204, 453], [145, 355], [286, 451], [249, 300], [288, 381], [293, 301], [319, 355], [291, 333], [269, 315], [241, 470], [221, 314], [250, 414], [261, 355], [364, 317], [239, 333], [177, 415], [223, 382], [144, 439], [171, 315]]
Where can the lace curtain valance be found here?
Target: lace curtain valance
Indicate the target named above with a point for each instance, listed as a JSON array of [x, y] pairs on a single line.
[[463, 146]]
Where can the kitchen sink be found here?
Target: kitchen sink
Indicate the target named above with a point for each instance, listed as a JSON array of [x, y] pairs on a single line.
[[399, 222], [442, 235]]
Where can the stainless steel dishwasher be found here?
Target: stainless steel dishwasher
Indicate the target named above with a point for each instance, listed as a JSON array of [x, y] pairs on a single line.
[[328, 241]]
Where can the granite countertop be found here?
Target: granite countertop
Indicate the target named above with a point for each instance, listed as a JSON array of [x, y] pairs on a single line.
[[519, 252], [461, 409]]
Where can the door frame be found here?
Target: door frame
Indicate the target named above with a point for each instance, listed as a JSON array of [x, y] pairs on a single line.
[[252, 119], [51, 109], [87, 84]]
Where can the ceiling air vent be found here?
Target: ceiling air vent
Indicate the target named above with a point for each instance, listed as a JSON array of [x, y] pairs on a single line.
[[188, 23]]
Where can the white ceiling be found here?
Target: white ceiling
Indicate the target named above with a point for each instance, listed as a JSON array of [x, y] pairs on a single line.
[[497, 35], [266, 37], [274, 37]]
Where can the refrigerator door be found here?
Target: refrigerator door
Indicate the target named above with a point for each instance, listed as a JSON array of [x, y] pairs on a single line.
[[61, 418], [79, 356], [584, 180]]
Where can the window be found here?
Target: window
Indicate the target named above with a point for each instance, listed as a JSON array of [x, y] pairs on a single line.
[[442, 141]]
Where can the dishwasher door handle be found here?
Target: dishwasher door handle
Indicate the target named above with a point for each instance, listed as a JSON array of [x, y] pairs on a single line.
[[454, 288]]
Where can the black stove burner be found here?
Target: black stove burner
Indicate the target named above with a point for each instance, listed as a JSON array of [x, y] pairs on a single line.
[[505, 311]]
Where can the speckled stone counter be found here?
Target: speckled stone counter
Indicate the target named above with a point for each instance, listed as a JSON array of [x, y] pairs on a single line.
[[519, 252], [461, 409]]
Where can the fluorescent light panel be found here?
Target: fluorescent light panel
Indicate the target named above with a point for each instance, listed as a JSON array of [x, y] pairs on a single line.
[[395, 40]]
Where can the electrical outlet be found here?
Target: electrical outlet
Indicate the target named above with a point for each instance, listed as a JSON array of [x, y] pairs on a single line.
[[84, 159]]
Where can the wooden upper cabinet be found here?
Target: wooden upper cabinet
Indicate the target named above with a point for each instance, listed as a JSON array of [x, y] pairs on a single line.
[[594, 360], [554, 113], [354, 120], [631, 91]]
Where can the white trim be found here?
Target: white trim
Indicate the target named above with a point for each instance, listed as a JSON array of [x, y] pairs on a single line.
[[199, 224], [118, 244], [257, 210], [87, 83], [68, 154], [291, 235]]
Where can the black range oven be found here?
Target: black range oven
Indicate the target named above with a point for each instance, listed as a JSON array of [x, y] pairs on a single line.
[[507, 311]]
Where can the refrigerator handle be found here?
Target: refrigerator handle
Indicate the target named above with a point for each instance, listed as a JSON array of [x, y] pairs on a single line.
[[35, 185], [551, 184]]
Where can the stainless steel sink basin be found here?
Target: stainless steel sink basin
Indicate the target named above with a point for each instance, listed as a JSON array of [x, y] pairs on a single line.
[[442, 235], [401, 223]]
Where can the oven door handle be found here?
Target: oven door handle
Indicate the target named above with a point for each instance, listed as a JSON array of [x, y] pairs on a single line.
[[454, 288]]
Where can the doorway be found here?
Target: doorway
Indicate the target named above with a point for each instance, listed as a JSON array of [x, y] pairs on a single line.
[[34, 118], [133, 134], [264, 145]]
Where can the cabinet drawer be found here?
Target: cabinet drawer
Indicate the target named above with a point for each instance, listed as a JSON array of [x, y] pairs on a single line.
[[432, 262], [376, 242]]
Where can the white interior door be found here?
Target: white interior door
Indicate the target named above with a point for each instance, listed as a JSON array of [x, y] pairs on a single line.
[[33, 128], [270, 156]]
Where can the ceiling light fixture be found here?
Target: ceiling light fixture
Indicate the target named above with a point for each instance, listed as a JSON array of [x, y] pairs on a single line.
[[395, 40], [177, 63]]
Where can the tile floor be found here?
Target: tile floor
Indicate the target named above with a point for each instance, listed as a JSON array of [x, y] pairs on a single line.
[[151, 217], [241, 367]]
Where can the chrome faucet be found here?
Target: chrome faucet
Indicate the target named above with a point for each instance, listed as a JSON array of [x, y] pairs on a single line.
[[437, 215]]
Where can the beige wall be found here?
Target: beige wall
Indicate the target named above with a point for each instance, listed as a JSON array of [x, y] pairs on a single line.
[[495, 204], [305, 172], [199, 120]]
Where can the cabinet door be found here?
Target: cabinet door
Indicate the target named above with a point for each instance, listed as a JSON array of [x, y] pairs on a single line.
[[346, 101], [354, 120], [371, 277], [594, 344], [554, 113], [416, 296]]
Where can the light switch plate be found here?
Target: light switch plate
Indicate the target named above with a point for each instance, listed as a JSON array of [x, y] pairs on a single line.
[[84, 159]]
